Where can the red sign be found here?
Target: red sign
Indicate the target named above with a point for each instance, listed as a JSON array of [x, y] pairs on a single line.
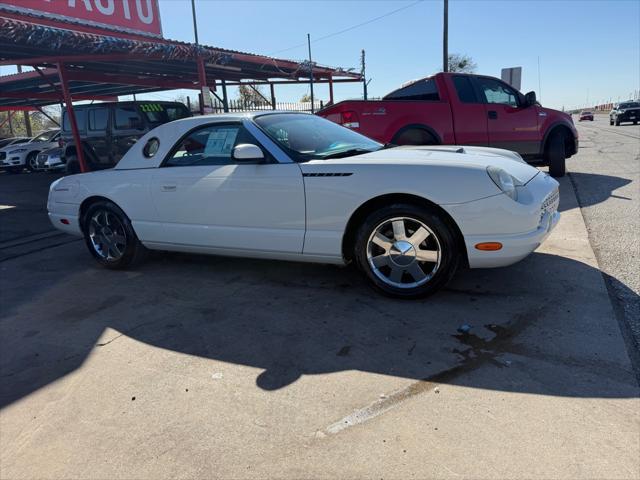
[[131, 16]]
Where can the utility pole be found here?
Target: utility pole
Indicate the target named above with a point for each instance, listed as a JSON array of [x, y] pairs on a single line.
[[445, 38], [27, 118], [195, 23], [364, 74], [310, 71], [539, 84]]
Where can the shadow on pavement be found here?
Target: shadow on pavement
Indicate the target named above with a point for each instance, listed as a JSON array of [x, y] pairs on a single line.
[[539, 327], [592, 189]]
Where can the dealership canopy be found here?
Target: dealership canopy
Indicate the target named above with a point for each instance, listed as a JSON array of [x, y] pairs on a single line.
[[99, 66]]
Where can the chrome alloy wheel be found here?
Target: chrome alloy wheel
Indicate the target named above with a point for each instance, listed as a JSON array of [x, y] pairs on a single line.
[[107, 235], [403, 252]]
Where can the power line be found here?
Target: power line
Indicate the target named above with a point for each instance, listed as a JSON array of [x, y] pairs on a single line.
[[352, 27]]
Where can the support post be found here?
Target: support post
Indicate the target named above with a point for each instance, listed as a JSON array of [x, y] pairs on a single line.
[[272, 88], [330, 90], [310, 71], [445, 38], [225, 98], [27, 118], [202, 81], [72, 117], [10, 118]]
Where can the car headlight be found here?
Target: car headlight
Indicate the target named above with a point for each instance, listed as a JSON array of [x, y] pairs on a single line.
[[505, 182], [19, 150]]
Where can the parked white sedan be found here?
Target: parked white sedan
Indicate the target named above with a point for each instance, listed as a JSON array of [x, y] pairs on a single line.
[[293, 186]]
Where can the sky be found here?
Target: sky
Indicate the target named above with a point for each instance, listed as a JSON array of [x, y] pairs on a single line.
[[588, 51]]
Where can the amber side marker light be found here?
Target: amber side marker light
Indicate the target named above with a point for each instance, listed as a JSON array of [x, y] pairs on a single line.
[[489, 246]]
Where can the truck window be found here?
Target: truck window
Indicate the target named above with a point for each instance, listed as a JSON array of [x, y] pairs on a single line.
[[98, 118], [465, 90], [158, 113], [80, 120], [497, 92], [127, 118], [421, 90]]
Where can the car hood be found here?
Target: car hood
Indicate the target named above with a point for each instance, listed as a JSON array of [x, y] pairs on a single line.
[[442, 156]]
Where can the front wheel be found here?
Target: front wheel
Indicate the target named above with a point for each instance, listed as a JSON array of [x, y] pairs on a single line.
[[32, 161], [406, 251], [110, 237], [617, 122], [556, 155], [610, 122]]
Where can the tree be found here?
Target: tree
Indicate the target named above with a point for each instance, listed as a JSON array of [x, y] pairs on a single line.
[[39, 122], [460, 63], [251, 97]]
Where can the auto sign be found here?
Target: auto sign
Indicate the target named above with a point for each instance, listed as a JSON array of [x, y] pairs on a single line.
[[130, 16]]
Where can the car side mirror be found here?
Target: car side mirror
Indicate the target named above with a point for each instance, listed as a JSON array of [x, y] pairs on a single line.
[[530, 99], [246, 153]]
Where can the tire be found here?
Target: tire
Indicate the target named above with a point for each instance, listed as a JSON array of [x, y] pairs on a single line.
[[389, 259], [30, 161], [610, 122], [110, 237], [73, 166], [617, 122], [556, 155], [414, 136], [635, 122]]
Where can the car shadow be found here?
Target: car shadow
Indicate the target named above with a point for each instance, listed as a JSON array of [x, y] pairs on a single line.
[[592, 189], [503, 329]]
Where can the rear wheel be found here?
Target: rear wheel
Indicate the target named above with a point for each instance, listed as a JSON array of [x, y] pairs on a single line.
[[556, 155], [414, 136], [110, 237], [31, 162], [406, 251]]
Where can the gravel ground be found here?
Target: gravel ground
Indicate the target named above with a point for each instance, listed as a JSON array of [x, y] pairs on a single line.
[[605, 175]]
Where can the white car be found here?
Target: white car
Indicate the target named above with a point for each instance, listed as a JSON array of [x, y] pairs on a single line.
[[18, 156], [294, 186]]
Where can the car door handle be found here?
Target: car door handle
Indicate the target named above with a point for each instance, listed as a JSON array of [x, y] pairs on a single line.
[[492, 114], [169, 188]]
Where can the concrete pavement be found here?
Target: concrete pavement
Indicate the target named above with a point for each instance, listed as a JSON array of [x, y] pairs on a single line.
[[193, 367], [606, 176]]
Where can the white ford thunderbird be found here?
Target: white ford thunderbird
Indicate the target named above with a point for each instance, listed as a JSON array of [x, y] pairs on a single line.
[[294, 186]]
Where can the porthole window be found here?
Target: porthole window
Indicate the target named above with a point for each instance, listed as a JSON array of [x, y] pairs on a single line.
[[151, 148]]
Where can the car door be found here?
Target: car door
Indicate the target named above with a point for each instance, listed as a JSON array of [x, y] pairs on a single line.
[[204, 198], [511, 124], [97, 134], [468, 112]]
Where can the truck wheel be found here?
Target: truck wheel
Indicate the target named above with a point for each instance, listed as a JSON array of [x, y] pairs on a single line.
[[414, 136], [556, 155], [73, 166]]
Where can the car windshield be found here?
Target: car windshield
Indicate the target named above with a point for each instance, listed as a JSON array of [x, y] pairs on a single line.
[[629, 105], [308, 137], [44, 137]]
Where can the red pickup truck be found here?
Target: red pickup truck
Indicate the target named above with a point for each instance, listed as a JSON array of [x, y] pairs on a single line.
[[462, 109]]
